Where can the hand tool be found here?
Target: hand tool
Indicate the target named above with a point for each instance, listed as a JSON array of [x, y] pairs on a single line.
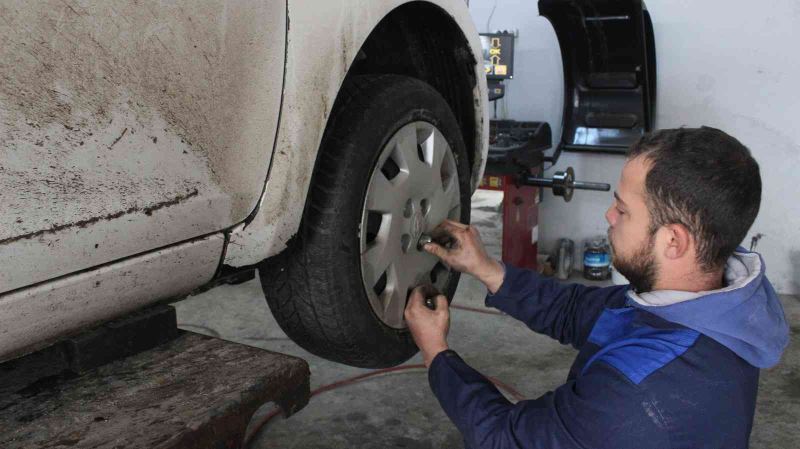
[[430, 293], [441, 238], [424, 239]]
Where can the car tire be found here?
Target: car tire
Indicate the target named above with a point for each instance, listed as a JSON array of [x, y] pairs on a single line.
[[318, 289]]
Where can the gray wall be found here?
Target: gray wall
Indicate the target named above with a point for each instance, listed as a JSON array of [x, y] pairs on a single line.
[[728, 64]]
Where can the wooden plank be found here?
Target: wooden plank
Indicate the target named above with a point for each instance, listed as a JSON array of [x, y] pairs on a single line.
[[193, 392]]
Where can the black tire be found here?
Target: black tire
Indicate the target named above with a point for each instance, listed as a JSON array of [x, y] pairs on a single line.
[[314, 288]]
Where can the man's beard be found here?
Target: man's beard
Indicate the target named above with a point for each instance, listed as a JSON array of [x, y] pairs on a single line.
[[640, 268]]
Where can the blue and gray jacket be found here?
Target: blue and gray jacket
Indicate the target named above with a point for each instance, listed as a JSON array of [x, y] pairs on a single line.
[[663, 369]]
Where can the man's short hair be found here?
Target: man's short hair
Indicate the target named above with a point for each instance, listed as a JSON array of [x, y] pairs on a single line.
[[705, 180]]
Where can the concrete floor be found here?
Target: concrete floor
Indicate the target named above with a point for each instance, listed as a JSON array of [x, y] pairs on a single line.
[[398, 410]]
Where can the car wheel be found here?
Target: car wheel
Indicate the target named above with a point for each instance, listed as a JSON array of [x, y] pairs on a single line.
[[392, 165]]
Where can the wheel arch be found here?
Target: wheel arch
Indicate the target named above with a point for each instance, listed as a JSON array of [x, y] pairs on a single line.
[[317, 64], [421, 40]]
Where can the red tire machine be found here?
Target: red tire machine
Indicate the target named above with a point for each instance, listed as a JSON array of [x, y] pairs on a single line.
[[514, 166]]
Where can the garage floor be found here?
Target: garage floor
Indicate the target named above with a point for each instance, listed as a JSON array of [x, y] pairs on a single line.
[[398, 410]]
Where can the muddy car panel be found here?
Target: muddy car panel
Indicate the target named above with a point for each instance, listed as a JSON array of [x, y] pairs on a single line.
[[126, 127]]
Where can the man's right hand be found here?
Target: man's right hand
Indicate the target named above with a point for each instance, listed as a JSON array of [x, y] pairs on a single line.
[[467, 253]]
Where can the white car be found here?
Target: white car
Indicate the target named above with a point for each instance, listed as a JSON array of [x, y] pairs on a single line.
[[150, 149]]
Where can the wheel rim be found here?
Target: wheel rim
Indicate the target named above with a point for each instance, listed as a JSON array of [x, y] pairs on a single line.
[[413, 187]]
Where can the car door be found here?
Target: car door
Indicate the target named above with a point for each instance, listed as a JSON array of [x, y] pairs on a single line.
[[130, 126], [609, 60]]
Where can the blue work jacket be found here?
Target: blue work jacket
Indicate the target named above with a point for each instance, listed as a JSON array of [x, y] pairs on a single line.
[[656, 370]]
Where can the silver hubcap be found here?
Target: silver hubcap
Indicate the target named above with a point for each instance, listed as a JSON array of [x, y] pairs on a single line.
[[413, 188]]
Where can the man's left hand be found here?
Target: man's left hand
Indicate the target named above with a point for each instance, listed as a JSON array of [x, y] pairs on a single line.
[[428, 327]]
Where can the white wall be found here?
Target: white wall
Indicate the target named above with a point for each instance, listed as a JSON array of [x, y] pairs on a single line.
[[729, 64]]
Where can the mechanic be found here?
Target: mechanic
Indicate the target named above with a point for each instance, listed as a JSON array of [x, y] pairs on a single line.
[[671, 360]]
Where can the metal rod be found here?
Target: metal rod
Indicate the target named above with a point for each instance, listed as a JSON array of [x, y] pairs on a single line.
[[579, 185], [591, 186], [606, 18], [534, 181]]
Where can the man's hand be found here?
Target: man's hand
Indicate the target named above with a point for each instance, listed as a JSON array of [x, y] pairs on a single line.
[[467, 253], [428, 327]]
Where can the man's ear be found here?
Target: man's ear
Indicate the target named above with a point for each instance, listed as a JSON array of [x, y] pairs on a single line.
[[678, 241]]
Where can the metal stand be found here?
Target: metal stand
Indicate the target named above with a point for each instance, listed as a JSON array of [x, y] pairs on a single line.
[[514, 166]]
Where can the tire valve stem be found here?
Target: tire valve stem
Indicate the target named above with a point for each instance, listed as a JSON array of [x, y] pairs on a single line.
[[424, 239]]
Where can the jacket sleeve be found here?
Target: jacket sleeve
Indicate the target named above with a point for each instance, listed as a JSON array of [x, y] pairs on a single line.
[[601, 409], [565, 312]]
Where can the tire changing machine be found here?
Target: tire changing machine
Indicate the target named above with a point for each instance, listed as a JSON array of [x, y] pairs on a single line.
[[609, 62], [515, 162], [514, 166], [140, 382]]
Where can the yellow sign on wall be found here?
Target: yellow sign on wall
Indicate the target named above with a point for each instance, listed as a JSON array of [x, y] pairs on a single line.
[[498, 55]]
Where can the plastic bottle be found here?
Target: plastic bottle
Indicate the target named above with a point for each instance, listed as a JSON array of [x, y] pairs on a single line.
[[596, 259]]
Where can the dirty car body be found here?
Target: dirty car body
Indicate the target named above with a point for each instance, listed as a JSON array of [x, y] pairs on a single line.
[[148, 148]]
